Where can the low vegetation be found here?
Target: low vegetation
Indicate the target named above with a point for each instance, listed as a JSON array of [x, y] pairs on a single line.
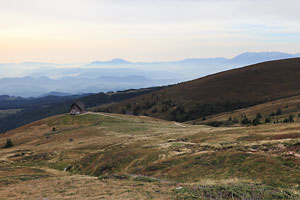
[[279, 111], [239, 191], [179, 160], [8, 143]]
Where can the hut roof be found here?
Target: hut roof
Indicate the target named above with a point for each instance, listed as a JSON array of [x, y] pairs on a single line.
[[80, 104]]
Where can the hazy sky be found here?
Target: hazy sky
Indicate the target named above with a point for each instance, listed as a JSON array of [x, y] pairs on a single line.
[[65, 31]]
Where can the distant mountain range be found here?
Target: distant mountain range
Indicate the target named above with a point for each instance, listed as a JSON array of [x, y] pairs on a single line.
[[245, 58], [116, 61], [66, 86], [36, 79]]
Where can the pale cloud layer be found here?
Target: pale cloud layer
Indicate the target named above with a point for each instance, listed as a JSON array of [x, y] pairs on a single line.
[[144, 30]]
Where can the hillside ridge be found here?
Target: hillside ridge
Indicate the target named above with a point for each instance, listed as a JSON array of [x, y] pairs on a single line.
[[216, 93]]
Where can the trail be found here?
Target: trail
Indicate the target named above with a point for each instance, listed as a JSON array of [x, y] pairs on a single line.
[[106, 115], [52, 171], [176, 123], [102, 114]]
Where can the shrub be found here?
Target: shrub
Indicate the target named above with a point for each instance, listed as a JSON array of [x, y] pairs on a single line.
[[245, 120], [273, 114], [255, 121], [8, 143], [53, 129], [258, 116], [268, 120], [291, 118], [279, 111]]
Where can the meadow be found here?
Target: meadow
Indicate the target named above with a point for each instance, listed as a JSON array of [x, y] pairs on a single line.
[[114, 156]]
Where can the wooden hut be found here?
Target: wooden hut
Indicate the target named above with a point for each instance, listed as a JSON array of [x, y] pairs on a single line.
[[77, 108]]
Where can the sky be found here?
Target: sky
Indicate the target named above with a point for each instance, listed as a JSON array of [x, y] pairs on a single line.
[[80, 31]]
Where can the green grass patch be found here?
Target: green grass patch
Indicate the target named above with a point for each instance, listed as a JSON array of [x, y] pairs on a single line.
[[58, 166], [234, 191], [113, 124], [146, 179]]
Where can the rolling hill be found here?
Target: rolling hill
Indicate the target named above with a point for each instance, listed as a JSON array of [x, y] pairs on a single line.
[[217, 93], [17, 111], [268, 113], [112, 156]]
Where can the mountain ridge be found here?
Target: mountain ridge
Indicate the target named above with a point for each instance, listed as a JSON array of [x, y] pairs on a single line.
[[80, 79], [220, 92]]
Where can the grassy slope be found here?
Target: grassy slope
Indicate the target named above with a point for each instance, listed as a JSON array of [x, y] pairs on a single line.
[[39, 108], [225, 91], [121, 150], [288, 106]]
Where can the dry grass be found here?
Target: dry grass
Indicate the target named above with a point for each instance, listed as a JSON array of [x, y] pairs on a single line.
[[109, 144], [79, 187]]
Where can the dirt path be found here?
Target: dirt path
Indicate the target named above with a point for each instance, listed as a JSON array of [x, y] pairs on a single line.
[[52, 171], [176, 123], [106, 115]]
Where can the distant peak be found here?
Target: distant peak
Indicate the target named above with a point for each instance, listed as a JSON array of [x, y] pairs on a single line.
[[255, 57], [116, 61]]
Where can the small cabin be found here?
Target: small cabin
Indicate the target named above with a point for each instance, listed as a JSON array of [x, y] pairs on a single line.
[[77, 108]]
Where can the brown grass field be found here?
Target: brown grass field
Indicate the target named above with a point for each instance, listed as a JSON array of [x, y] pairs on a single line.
[[112, 156]]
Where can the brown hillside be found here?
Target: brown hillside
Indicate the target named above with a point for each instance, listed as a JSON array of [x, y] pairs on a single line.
[[225, 91], [112, 156], [288, 106]]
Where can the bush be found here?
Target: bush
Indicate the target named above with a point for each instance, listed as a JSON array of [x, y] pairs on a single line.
[[258, 116], [245, 120], [279, 111], [291, 118], [268, 120], [8, 143], [53, 129], [255, 121], [273, 114]]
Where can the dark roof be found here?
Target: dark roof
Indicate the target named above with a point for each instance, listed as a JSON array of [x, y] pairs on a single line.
[[80, 104]]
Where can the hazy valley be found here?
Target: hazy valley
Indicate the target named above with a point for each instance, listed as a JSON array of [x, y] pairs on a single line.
[[36, 79]]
